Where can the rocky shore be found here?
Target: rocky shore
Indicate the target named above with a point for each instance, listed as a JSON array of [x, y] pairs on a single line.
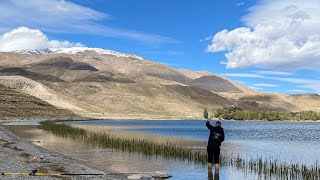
[[17, 155]]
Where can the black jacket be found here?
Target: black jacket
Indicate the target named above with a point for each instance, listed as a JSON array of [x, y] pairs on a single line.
[[216, 135]]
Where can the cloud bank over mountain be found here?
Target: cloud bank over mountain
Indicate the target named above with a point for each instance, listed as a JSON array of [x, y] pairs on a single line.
[[281, 34], [25, 38]]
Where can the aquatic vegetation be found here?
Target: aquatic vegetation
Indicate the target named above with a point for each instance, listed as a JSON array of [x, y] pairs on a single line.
[[205, 113], [265, 168], [130, 145], [239, 114]]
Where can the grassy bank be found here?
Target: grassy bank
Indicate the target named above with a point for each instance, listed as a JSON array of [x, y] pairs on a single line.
[[265, 168]]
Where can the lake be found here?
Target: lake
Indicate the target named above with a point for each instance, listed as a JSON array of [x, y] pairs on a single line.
[[287, 141], [284, 141]]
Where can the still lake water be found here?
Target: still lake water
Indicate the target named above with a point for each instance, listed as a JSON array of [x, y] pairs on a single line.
[[284, 141]]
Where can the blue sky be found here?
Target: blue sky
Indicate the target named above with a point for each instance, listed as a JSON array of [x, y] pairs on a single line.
[[272, 46]]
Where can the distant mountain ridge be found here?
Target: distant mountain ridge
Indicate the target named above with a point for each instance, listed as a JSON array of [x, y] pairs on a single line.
[[100, 83], [74, 50]]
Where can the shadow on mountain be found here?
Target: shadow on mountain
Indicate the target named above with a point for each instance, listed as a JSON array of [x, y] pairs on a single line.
[[28, 74], [107, 77], [214, 83], [166, 72], [200, 95], [65, 63]]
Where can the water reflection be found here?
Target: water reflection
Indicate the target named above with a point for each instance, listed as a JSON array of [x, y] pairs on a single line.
[[106, 159], [118, 131], [216, 176]]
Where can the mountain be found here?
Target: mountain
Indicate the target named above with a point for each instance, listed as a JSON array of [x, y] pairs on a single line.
[[17, 105], [98, 83], [214, 83], [194, 74], [217, 83]]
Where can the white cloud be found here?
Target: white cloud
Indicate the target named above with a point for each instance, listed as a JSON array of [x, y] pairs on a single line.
[[281, 73], [60, 16], [306, 83], [242, 75], [256, 88], [206, 39], [240, 4], [265, 85], [280, 34], [303, 86], [24, 38], [298, 91]]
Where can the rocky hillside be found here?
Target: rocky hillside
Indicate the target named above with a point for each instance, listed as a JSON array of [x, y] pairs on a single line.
[[17, 105], [106, 84]]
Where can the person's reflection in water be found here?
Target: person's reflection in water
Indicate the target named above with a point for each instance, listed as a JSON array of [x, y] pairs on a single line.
[[216, 176], [210, 176]]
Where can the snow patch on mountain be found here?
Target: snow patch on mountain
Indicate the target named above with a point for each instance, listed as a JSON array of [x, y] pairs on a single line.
[[75, 50], [35, 51]]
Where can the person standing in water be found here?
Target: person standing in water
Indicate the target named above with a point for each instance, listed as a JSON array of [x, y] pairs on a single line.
[[214, 142]]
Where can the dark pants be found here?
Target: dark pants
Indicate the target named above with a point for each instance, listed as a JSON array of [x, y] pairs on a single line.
[[213, 154]]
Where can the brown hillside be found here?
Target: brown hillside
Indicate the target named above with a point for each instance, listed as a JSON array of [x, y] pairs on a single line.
[[305, 102], [119, 99], [214, 83], [194, 74], [16, 105]]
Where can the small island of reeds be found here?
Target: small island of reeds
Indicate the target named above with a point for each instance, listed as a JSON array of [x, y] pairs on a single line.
[[239, 114]]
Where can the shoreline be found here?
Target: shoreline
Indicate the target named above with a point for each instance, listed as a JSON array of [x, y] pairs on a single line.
[[24, 156], [87, 117], [180, 119]]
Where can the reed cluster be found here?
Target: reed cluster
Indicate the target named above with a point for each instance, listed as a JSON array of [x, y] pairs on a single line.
[[266, 169], [239, 114]]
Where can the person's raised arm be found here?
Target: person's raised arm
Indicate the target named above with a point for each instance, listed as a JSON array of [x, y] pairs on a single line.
[[209, 126]]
